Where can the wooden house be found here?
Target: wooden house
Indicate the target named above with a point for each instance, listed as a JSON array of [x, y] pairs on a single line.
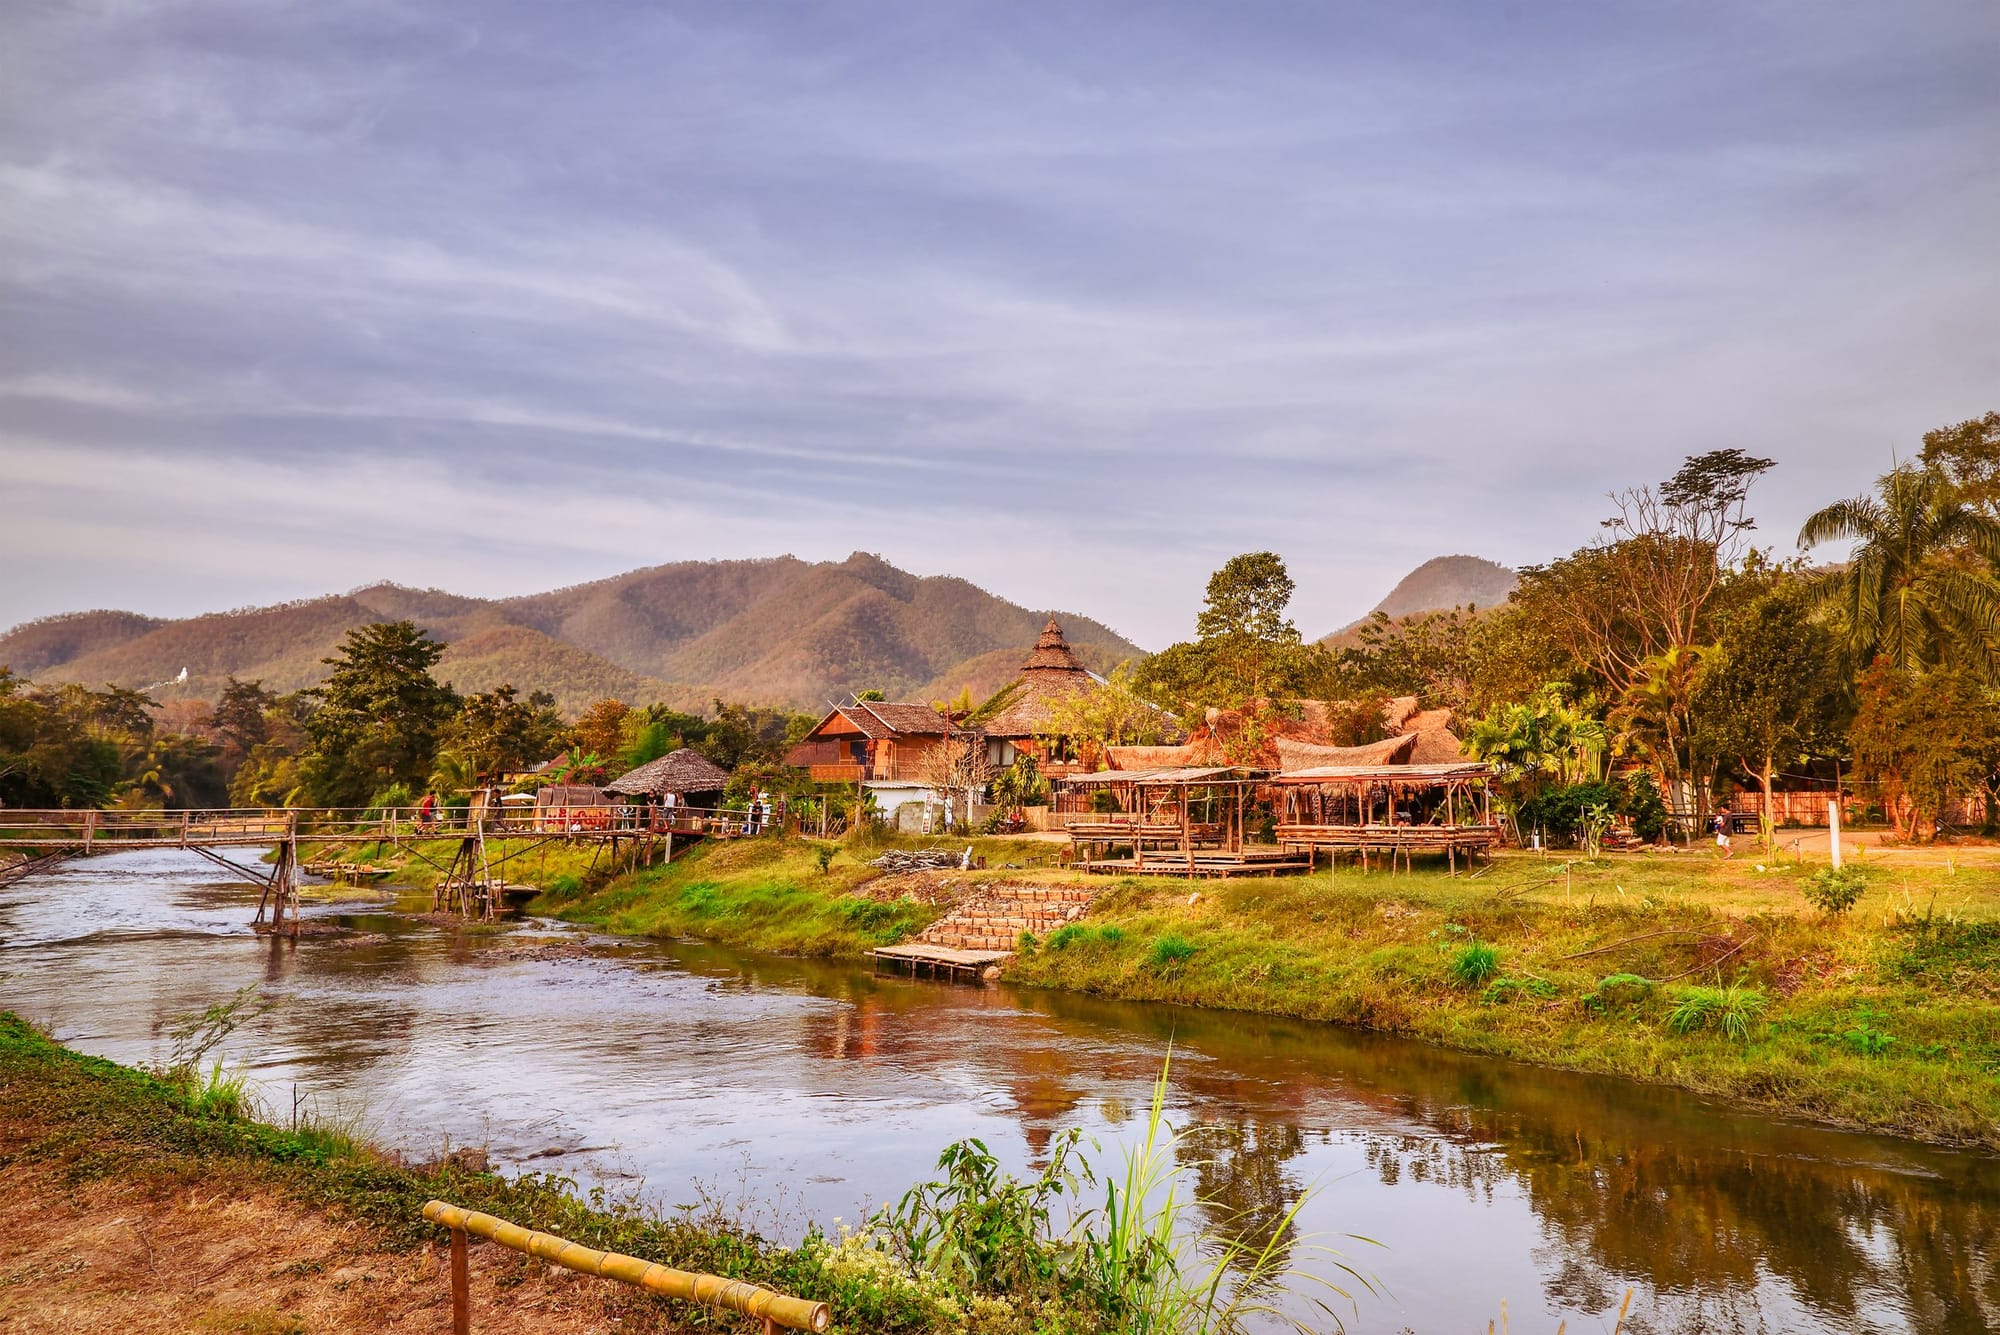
[[880, 745], [870, 741]]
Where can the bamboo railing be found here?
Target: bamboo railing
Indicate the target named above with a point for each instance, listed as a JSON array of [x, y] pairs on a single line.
[[775, 1310]]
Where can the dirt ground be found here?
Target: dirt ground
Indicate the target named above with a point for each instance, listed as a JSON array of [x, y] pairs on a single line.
[[229, 1256]]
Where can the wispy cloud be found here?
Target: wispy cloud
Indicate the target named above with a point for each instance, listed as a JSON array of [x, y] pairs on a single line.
[[1075, 303]]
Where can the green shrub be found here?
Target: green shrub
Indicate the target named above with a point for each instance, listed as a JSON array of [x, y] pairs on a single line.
[[1061, 937], [1503, 990], [1731, 1010], [1617, 989], [1833, 890], [569, 883], [824, 854], [1474, 963], [1110, 934], [1171, 949], [1645, 806]]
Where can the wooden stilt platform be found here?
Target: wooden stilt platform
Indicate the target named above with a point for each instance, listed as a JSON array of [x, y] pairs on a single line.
[[1204, 862], [923, 959]]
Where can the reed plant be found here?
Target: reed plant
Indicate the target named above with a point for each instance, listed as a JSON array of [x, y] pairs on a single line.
[[1137, 1262]]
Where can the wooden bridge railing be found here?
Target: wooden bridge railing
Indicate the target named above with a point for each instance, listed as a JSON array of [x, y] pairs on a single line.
[[91, 829]]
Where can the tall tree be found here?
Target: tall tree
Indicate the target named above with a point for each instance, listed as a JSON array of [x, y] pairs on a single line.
[[1925, 738], [1652, 586], [1770, 692], [378, 715], [1245, 648], [238, 721], [601, 728], [1918, 587], [1969, 454], [495, 732], [1433, 657]]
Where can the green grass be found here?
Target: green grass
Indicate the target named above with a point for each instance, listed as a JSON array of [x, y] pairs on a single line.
[[1581, 967], [1882, 1018], [764, 894]]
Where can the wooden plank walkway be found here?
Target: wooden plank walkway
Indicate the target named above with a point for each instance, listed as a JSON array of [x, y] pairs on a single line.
[[943, 961]]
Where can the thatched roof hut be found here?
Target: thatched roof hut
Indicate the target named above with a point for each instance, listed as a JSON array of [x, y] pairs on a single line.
[[1051, 673], [682, 773]]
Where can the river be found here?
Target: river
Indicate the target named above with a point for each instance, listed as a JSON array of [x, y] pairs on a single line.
[[803, 1090]]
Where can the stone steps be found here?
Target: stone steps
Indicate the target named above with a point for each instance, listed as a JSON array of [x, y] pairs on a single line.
[[996, 918]]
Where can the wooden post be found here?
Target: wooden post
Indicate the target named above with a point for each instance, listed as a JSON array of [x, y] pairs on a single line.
[[1833, 827], [461, 1286]]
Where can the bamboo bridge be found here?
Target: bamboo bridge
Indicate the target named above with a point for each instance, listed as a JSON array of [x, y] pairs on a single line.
[[483, 842]]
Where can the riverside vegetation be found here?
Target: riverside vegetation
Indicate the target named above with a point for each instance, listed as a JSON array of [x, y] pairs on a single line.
[[1065, 1253], [1721, 978]]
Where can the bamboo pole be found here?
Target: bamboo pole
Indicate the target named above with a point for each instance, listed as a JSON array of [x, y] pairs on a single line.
[[774, 1309]]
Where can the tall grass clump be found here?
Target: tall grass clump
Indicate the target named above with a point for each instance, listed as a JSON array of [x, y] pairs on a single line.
[[213, 1092], [1473, 963], [1171, 950], [1135, 1262], [1731, 1010]]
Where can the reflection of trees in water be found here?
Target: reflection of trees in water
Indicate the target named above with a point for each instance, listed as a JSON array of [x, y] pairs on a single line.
[[1706, 1230], [1703, 1229], [1240, 1180]]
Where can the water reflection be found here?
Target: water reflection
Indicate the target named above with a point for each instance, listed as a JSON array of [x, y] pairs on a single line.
[[667, 1064]]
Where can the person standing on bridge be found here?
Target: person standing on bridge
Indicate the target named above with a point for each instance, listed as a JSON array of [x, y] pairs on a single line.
[[426, 813]]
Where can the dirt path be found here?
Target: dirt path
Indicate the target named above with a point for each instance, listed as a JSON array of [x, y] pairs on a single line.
[[225, 1253]]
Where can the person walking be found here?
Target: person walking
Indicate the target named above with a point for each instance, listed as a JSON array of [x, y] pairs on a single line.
[[1723, 824]]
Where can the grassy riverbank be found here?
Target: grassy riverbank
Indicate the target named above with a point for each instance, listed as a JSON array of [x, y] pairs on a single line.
[[132, 1200], [1670, 968], [120, 1194]]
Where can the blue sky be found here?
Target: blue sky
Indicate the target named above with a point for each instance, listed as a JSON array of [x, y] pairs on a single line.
[[1075, 301]]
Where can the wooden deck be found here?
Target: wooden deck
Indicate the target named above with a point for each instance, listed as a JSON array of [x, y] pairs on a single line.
[[1385, 838], [1278, 861], [921, 958], [1398, 842]]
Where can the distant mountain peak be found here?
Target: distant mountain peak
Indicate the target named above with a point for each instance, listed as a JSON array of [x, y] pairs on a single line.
[[1449, 581]]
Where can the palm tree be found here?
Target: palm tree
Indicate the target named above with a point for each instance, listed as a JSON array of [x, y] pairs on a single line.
[[1919, 584], [1655, 718]]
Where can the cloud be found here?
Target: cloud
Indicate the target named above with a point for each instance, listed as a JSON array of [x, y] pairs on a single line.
[[1075, 304]]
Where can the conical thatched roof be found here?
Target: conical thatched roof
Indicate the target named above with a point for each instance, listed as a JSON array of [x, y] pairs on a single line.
[[1050, 673], [681, 771]]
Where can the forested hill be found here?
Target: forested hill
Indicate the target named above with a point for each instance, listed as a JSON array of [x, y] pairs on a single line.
[[780, 631], [1440, 583]]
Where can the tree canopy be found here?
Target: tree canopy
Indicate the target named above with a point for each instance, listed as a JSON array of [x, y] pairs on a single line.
[[1245, 647]]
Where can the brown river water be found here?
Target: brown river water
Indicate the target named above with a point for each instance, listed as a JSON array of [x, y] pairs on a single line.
[[807, 1090]]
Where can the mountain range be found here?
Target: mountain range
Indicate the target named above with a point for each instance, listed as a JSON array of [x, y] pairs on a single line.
[[781, 632], [777, 632]]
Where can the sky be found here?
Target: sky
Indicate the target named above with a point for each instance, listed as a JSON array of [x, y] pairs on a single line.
[[1074, 301]]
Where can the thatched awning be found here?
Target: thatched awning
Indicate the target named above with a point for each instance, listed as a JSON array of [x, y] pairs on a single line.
[[1169, 778], [1158, 757], [677, 772], [1437, 746], [1305, 755], [1412, 776]]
